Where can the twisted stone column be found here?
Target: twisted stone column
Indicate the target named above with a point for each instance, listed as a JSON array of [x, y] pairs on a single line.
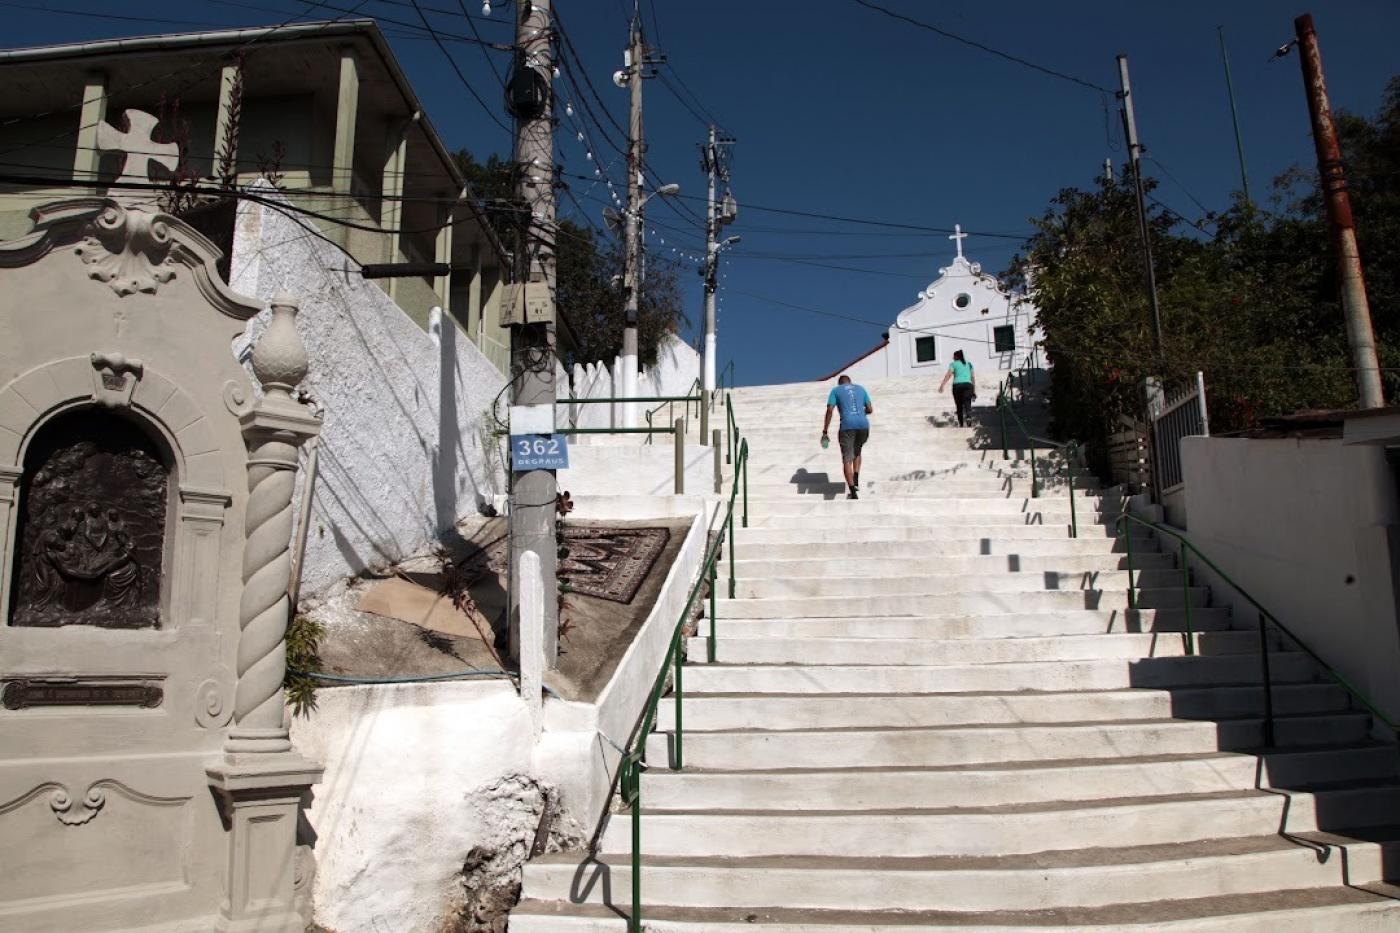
[[273, 428]]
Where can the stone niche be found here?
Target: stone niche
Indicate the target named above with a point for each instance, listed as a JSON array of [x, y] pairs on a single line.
[[146, 778]]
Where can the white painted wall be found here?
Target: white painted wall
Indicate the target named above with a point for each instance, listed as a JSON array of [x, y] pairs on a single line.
[[632, 469], [1312, 529], [403, 453], [677, 367], [971, 329]]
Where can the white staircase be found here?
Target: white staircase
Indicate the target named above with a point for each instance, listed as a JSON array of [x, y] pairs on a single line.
[[933, 709]]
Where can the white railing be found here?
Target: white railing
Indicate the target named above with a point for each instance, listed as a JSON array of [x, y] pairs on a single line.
[[1183, 414]]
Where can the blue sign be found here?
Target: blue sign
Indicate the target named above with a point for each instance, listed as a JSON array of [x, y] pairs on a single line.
[[539, 452]]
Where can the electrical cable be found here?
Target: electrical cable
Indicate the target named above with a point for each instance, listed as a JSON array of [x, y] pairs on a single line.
[[972, 43], [457, 70]]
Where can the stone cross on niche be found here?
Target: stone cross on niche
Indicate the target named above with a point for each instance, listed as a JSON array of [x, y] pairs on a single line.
[[957, 236], [138, 147]]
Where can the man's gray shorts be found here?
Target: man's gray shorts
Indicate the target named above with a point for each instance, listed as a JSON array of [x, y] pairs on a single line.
[[851, 442]]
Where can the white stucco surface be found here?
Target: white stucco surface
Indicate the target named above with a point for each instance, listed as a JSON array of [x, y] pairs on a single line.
[[391, 820], [959, 311], [403, 452], [1312, 529], [677, 367]]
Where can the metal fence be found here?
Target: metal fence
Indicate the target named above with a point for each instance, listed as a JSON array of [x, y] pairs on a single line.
[[1183, 414]]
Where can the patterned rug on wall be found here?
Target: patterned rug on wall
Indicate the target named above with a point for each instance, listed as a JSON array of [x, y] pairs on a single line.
[[609, 563]]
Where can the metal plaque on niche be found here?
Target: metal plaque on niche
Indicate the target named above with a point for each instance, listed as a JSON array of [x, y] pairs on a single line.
[[80, 691], [92, 525]]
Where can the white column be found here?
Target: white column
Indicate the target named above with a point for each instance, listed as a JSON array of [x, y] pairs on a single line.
[[347, 110], [223, 117], [442, 284], [391, 204]]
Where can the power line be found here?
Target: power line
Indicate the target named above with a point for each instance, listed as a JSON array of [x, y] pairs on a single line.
[[458, 70], [972, 43], [110, 16]]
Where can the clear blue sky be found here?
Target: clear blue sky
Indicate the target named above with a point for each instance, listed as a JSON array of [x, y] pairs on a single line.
[[840, 110]]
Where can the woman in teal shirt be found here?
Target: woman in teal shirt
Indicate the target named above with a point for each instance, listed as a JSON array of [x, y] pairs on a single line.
[[960, 371]]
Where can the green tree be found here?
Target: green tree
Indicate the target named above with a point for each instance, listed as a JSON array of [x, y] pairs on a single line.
[[1253, 303], [588, 274]]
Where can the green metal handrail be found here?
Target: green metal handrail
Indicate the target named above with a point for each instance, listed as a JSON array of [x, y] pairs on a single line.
[[1265, 616], [633, 759], [1070, 449], [698, 398]]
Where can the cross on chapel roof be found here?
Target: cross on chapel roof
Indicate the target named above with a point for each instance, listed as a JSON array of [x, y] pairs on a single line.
[[958, 236], [138, 147]]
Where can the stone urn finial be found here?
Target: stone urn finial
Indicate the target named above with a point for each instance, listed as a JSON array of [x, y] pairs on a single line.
[[279, 358]]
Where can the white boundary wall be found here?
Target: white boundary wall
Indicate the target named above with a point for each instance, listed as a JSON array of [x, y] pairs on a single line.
[[1312, 529], [677, 367], [404, 451]]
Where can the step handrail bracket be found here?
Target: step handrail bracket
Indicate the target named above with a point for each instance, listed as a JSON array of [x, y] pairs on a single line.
[[1265, 619]]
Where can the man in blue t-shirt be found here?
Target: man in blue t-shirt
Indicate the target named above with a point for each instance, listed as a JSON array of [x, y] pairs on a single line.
[[854, 403]]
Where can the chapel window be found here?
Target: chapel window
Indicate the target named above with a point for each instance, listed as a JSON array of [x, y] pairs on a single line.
[[1005, 338], [962, 301], [924, 350]]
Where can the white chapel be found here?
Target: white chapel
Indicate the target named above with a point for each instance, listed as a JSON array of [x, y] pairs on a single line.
[[964, 309]]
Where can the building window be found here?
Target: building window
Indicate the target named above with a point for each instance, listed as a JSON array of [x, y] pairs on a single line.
[[924, 350], [1005, 338], [962, 301]]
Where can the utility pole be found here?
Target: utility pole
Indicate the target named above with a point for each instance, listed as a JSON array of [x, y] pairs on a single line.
[[1355, 308], [1234, 116], [632, 278], [532, 363], [1135, 161], [718, 215]]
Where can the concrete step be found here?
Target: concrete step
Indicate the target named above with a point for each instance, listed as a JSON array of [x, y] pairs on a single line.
[[716, 712], [1015, 784], [746, 649], [1332, 910], [1055, 676], [932, 601], [904, 468], [876, 514], [1061, 880], [927, 562], [902, 545], [975, 832], [858, 535], [951, 746], [849, 584], [720, 712], [924, 508], [989, 486], [973, 625]]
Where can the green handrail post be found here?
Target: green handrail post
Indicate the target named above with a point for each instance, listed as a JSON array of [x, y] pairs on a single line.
[[1072, 451], [729, 432], [731, 548], [1268, 683], [680, 696], [1132, 589], [632, 794], [714, 617], [744, 463], [1001, 410], [1186, 600]]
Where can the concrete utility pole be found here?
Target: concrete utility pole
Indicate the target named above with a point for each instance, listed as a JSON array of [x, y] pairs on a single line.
[[718, 216], [1135, 161], [632, 279], [532, 363], [1360, 337]]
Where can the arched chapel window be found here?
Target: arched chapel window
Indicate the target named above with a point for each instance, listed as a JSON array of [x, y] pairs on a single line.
[[94, 498]]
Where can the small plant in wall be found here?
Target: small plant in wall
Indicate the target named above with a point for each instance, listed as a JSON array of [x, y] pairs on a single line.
[[563, 505], [304, 636]]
